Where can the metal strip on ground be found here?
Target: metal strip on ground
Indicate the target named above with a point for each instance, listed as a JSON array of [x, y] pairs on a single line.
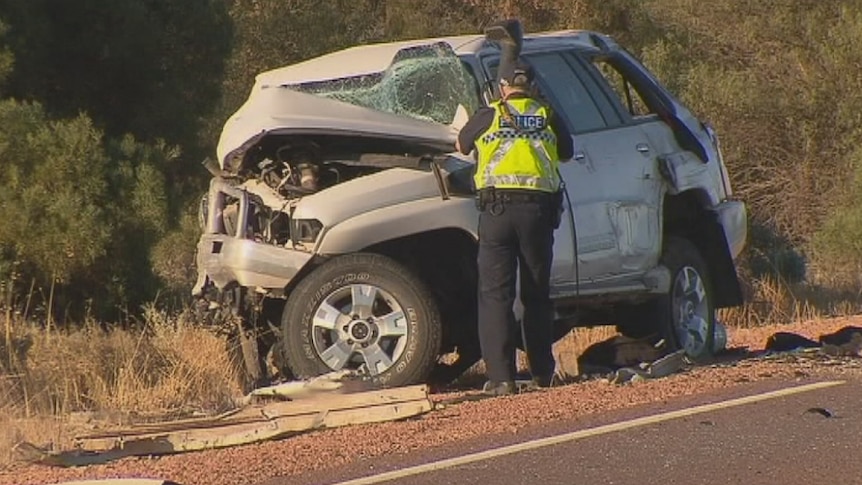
[[585, 433]]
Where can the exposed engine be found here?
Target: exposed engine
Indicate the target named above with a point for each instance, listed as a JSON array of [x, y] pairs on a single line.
[[277, 173], [299, 169]]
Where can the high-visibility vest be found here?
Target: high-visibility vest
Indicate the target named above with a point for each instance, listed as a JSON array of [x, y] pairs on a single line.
[[519, 149]]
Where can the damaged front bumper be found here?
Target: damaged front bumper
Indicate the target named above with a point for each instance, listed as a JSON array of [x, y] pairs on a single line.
[[228, 251]]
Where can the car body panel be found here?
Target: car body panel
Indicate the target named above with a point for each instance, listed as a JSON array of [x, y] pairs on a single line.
[[733, 217], [366, 194], [620, 187], [223, 260]]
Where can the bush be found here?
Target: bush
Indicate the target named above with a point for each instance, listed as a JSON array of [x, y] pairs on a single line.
[[838, 243]]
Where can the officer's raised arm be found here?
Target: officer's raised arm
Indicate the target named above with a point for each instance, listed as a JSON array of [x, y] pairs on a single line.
[[473, 129]]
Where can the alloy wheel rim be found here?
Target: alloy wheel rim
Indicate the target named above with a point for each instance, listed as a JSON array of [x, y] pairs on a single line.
[[359, 327], [690, 306]]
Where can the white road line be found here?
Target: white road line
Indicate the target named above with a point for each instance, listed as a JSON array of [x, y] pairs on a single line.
[[584, 433]]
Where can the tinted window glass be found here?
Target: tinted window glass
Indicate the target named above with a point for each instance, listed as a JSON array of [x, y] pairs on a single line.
[[568, 92], [599, 93]]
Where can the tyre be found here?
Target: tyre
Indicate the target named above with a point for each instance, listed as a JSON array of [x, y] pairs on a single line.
[[362, 312], [686, 316]]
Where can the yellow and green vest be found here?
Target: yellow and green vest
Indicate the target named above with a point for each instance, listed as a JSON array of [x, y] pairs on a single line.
[[523, 156]]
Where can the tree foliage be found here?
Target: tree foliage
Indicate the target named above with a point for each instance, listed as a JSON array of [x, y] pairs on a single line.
[[56, 225], [147, 67]]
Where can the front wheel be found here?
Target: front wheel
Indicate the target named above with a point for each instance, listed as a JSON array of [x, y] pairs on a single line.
[[362, 312]]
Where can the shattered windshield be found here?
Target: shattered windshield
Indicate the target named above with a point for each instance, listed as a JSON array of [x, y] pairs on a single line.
[[427, 82]]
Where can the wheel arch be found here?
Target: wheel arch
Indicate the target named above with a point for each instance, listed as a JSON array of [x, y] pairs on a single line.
[[688, 215], [445, 259]]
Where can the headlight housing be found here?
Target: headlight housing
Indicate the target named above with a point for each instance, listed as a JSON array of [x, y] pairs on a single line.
[[305, 230]]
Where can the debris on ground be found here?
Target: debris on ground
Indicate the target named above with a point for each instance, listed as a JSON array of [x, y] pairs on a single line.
[[619, 352], [326, 402], [821, 411], [663, 367], [846, 341]]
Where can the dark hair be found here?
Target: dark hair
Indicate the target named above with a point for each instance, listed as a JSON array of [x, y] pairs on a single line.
[[517, 74]]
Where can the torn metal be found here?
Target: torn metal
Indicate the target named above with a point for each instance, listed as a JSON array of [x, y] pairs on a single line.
[[663, 367]]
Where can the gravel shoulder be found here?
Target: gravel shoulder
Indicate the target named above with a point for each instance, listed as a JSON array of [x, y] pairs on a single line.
[[336, 447]]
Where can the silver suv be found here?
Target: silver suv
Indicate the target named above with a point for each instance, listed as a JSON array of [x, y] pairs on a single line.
[[340, 224]]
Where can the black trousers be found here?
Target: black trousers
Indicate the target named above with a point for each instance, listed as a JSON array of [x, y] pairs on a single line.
[[512, 236]]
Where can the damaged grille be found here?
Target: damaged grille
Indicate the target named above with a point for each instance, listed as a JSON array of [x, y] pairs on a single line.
[[237, 212]]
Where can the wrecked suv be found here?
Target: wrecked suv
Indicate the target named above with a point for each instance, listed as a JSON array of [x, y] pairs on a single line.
[[340, 226]]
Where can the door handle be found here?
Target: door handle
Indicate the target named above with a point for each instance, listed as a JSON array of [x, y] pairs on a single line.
[[580, 156], [642, 147]]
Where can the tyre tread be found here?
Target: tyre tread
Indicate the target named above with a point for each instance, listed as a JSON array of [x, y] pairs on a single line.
[[302, 297]]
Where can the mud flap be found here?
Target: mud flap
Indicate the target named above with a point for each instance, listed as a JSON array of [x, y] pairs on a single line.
[[711, 241]]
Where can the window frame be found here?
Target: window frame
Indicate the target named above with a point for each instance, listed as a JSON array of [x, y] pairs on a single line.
[[653, 97], [568, 55]]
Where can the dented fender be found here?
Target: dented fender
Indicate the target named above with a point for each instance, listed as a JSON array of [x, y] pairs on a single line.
[[399, 220]]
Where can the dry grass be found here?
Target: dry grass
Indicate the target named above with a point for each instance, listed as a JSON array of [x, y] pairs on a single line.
[[53, 384], [772, 301]]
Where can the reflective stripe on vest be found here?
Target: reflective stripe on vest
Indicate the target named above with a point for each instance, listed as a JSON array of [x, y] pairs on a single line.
[[521, 157]]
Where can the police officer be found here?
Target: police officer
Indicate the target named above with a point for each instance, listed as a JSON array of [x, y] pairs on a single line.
[[519, 143]]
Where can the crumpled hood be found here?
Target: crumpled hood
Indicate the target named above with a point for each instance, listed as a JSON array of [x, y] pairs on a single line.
[[282, 110]]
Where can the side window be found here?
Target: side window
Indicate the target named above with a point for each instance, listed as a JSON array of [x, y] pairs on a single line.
[[627, 93], [567, 92]]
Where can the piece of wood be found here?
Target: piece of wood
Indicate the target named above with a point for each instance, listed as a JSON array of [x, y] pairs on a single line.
[[265, 412], [232, 434], [243, 426], [257, 423]]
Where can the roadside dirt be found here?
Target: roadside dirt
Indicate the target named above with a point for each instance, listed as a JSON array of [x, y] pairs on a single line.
[[330, 448]]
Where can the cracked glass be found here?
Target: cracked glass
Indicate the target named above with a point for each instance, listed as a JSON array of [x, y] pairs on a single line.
[[427, 82]]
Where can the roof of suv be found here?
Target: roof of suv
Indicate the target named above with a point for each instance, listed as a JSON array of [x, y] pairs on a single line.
[[373, 58]]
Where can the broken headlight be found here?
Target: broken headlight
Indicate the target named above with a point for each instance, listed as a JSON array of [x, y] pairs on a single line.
[[305, 230]]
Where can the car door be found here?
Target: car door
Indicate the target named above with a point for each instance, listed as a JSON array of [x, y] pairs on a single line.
[[612, 181]]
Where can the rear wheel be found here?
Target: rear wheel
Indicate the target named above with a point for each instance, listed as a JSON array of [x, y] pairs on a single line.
[[686, 313], [362, 312], [685, 317]]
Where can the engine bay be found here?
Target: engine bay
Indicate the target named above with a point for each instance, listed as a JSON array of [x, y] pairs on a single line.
[[278, 171]]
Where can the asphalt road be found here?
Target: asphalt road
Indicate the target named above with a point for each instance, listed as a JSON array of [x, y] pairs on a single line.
[[759, 434]]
